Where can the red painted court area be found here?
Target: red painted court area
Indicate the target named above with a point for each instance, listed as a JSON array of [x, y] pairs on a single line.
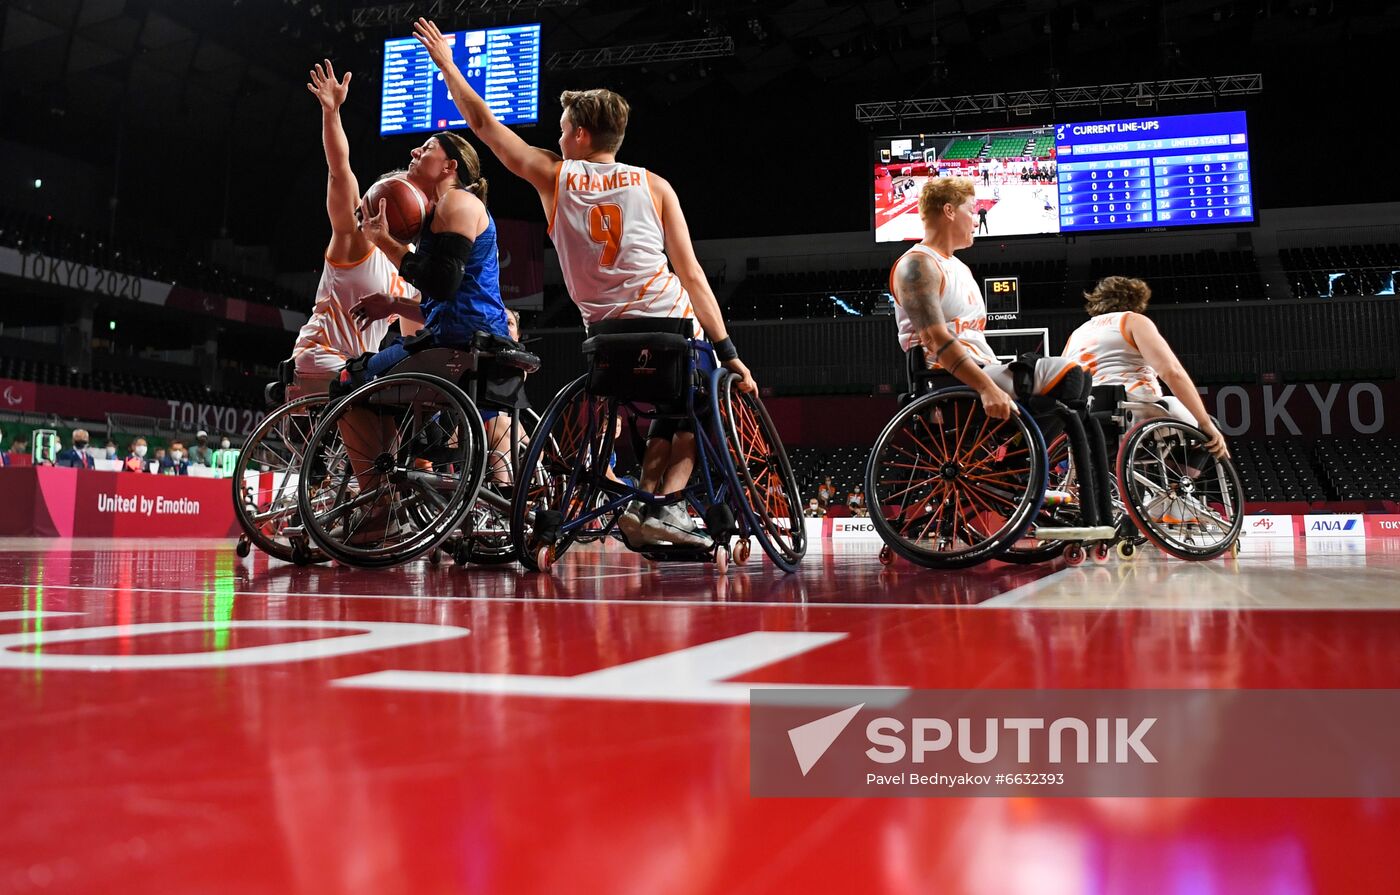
[[242, 726]]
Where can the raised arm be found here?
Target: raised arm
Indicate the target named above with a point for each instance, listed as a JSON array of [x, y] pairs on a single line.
[[919, 287], [342, 190], [692, 276], [1160, 357], [532, 164]]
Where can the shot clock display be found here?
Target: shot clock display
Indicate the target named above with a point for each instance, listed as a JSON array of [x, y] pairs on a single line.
[[1003, 295]]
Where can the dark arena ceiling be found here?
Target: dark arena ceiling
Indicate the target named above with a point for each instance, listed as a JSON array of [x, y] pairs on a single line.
[[197, 113]]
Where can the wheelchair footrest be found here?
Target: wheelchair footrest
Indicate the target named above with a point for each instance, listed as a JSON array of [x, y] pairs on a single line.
[[1074, 533], [661, 553]]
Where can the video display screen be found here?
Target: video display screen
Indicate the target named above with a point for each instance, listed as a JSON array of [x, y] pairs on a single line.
[[1124, 174]]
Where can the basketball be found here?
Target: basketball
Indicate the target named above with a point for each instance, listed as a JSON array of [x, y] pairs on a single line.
[[404, 209]]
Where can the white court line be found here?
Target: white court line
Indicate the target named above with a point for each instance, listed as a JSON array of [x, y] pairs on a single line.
[[571, 601], [1018, 594]]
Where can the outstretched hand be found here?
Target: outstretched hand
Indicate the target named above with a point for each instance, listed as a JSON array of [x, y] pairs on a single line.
[[373, 223], [324, 86], [439, 47]]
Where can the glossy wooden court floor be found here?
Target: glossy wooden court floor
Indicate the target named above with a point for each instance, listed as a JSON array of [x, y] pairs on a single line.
[[179, 720]]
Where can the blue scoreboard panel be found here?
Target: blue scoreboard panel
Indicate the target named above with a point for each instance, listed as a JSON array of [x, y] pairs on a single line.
[[501, 64], [1176, 171]]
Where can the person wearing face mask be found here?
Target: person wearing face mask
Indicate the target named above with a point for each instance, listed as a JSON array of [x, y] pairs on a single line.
[[136, 460], [110, 450], [175, 463], [225, 458], [76, 457], [201, 453]]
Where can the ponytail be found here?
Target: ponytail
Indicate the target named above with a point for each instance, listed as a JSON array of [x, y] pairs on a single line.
[[478, 189]]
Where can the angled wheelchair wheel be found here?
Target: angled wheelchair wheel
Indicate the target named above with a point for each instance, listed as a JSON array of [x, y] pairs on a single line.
[[405, 456], [759, 470], [1176, 492], [266, 476], [564, 467], [950, 487], [485, 536]]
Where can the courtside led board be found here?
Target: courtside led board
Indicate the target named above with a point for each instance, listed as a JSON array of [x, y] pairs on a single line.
[[501, 64], [1127, 174]]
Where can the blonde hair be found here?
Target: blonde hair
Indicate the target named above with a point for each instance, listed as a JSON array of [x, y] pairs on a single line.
[[940, 191], [1117, 294], [602, 112], [470, 179]]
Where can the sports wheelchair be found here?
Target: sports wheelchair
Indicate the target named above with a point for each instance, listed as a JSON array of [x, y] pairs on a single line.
[[743, 486], [949, 487], [400, 466], [265, 476], [1177, 494]]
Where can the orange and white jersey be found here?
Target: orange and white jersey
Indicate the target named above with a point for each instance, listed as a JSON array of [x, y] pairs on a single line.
[[1102, 346], [964, 309], [331, 337], [606, 226]]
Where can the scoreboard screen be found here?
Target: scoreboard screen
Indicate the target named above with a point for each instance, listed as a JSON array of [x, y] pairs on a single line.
[[1126, 174], [1154, 172], [501, 64]]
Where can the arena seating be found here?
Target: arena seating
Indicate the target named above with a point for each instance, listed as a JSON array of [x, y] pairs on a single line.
[[1361, 468], [1333, 271], [1007, 147], [52, 237], [104, 381], [964, 149], [1202, 276]]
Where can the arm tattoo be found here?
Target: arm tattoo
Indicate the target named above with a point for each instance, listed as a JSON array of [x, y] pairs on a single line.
[[918, 294]]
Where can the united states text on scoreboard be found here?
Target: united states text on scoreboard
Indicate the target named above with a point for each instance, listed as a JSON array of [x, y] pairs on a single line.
[[1181, 170]]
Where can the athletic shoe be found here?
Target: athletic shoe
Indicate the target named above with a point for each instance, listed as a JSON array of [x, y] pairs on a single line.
[[671, 523], [632, 523]]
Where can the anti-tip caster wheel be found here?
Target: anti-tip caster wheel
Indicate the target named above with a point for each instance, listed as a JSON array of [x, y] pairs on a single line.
[[244, 546], [742, 550], [1126, 550], [886, 555]]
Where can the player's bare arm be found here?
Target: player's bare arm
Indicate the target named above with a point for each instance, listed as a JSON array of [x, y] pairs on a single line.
[[920, 285], [530, 163], [342, 189], [1160, 357], [681, 253]]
